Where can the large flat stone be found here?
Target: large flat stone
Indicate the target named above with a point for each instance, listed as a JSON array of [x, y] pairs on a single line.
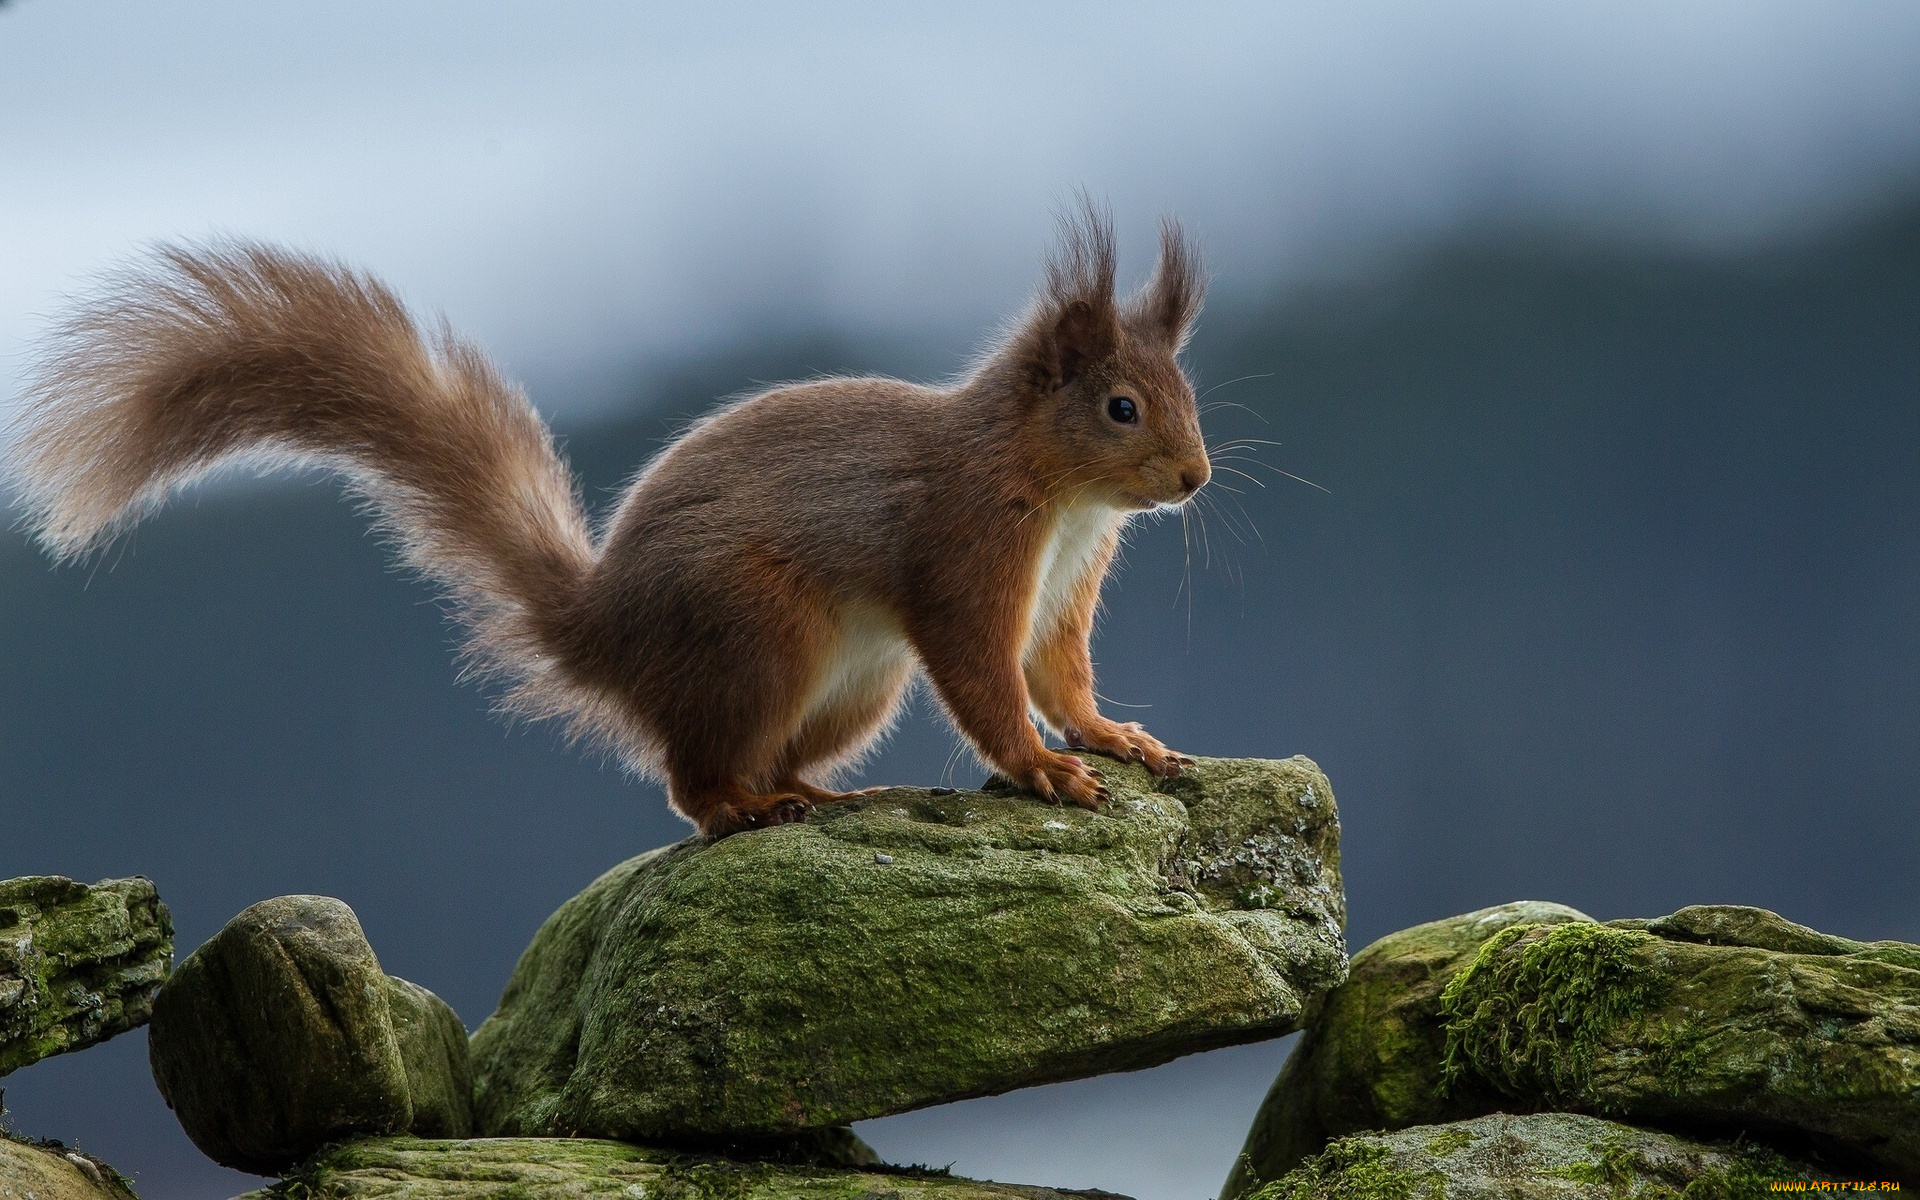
[[79, 963], [580, 1168], [912, 948]]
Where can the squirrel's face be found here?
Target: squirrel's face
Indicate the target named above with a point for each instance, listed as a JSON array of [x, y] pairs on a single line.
[[1118, 418], [1131, 430]]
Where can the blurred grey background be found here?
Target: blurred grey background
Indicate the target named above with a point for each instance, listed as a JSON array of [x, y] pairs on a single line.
[[1599, 324]]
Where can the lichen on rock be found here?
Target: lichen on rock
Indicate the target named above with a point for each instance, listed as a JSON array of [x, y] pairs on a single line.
[[910, 948], [1543, 1156], [79, 963], [581, 1168]]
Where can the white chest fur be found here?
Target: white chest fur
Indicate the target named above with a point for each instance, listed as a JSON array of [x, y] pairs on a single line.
[[1079, 533]]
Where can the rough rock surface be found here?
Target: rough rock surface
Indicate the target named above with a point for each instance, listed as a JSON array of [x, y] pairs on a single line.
[[915, 947], [1721, 1019], [50, 1171], [1546, 1156], [433, 1051], [1371, 1055], [1717, 1017], [282, 1034], [577, 1168], [78, 963]]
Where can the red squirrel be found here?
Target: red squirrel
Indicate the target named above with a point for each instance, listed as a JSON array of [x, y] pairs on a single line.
[[750, 618]]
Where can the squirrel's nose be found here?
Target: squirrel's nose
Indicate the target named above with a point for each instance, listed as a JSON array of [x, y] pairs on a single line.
[[1192, 478]]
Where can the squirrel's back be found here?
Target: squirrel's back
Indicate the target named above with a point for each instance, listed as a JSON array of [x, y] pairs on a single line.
[[837, 472]]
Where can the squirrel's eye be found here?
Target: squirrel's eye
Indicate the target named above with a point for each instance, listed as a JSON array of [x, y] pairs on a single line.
[[1123, 410]]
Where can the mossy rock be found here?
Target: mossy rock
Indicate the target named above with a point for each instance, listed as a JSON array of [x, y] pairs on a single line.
[[282, 1034], [79, 963], [50, 1171], [919, 946], [579, 1168], [1718, 1019], [433, 1055], [1543, 1156], [1371, 1056]]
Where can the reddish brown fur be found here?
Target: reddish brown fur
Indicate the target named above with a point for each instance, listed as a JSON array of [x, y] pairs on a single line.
[[767, 586]]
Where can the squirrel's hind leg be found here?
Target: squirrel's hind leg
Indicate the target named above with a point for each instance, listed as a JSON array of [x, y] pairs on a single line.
[[836, 733], [819, 795], [723, 809]]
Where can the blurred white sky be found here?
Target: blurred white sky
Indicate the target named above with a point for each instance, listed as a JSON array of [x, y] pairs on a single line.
[[585, 187]]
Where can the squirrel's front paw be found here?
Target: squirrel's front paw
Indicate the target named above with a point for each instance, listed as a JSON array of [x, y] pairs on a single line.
[[1129, 743], [1064, 777]]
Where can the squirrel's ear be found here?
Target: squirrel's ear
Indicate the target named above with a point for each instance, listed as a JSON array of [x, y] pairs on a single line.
[[1165, 309], [1082, 335], [1079, 325]]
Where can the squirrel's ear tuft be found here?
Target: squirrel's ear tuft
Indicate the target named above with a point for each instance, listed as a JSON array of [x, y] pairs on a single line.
[[1165, 309], [1077, 323]]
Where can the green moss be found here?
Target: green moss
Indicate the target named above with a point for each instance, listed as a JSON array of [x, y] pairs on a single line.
[[1528, 1013], [1352, 1169], [1753, 1170], [1680, 1056], [1447, 1141], [1616, 1168], [1627, 1173], [708, 1180], [1897, 954]]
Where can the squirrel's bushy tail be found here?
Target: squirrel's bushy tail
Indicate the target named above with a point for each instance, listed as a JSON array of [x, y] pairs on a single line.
[[238, 349]]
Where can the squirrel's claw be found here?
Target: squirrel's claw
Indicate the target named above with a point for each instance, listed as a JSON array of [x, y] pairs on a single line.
[[753, 812], [1062, 777], [1128, 743]]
